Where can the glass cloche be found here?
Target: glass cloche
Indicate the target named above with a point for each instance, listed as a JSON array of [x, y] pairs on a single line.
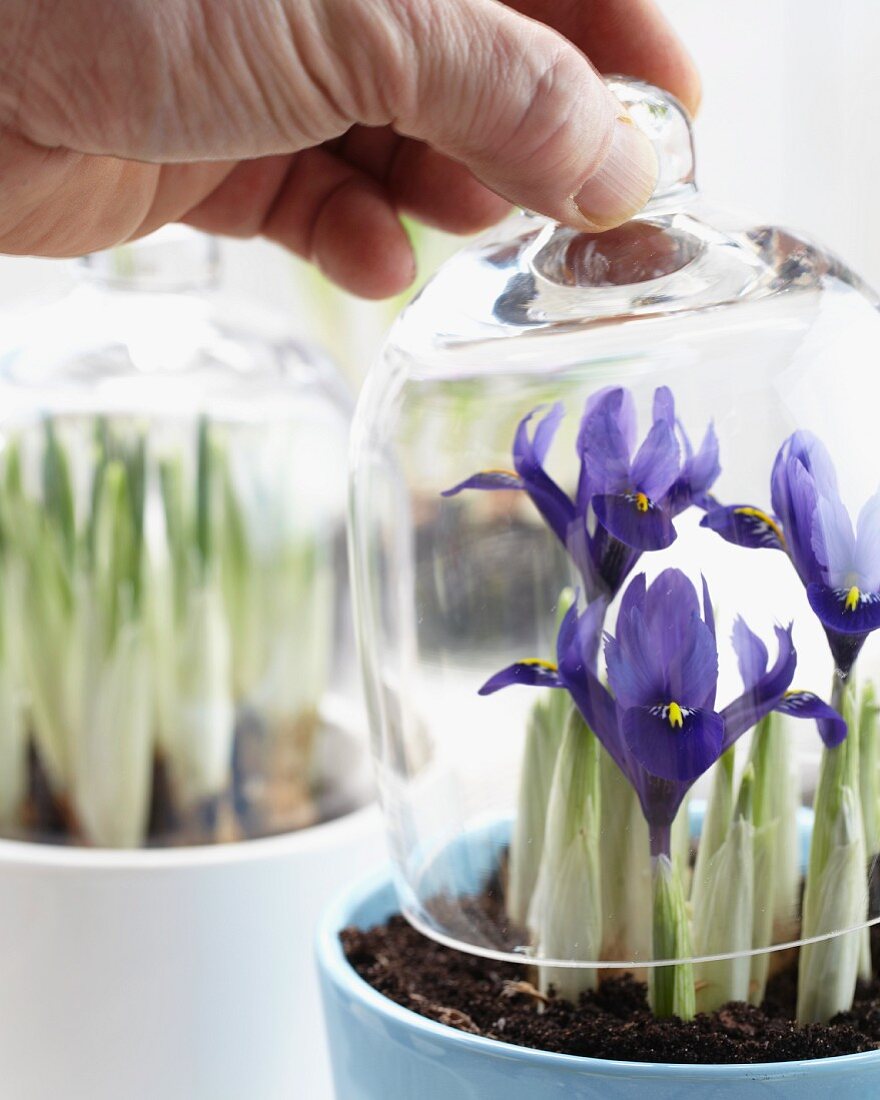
[[616, 544], [175, 649]]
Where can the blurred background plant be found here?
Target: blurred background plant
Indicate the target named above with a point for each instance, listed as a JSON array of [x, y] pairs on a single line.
[[160, 583]]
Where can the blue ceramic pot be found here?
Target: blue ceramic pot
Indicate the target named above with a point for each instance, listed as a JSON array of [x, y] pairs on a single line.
[[381, 1051]]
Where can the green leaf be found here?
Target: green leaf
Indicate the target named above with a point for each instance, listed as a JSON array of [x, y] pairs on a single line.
[[566, 910], [717, 820], [836, 892], [58, 491], [672, 987], [544, 734]]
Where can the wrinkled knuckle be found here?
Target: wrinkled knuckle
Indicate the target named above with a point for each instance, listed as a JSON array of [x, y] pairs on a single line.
[[547, 129], [377, 48]]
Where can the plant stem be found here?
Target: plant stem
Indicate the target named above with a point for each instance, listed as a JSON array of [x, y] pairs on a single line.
[[566, 911], [835, 895], [672, 987]]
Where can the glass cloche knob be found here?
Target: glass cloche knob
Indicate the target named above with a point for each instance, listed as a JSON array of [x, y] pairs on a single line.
[[661, 117]]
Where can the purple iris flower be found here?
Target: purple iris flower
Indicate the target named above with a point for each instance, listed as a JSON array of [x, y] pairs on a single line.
[[839, 566], [626, 497], [659, 721]]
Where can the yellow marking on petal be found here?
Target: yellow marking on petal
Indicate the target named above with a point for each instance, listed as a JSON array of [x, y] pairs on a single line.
[[533, 662], [676, 718], [756, 513], [852, 599], [642, 502], [501, 470]]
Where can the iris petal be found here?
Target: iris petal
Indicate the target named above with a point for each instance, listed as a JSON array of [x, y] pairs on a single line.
[[845, 611], [553, 504], [833, 540], [581, 634], [634, 597], [810, 452], [620, 401], [744, 525], [577, 646], [622, 516], [708, 609], [636, 671], [671, 601], [530, 673], [804, 704], [487, 479], [664, 405], [795, 498], [703, 470], [677, 753], [693, 671], [750, 707], [751, 653], [545, 432], [605, 440], [657, 462], [867, 554]]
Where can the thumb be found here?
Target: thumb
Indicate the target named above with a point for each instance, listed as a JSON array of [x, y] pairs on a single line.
[[526, 112]]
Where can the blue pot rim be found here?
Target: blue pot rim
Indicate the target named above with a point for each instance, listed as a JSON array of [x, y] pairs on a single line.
[[335, 966]]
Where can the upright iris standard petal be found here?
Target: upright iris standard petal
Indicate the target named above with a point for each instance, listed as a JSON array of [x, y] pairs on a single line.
[[708, 610], [834, 541], [866, 563], [577, 647], [810, 452], [698, 472], [745, 525], [528, 458], [795, 499], [672, 742], [751, 653], [763, 695], [701, 470], [636, 669], [606, 438], [664, 406], [683, 643], [657, 462]]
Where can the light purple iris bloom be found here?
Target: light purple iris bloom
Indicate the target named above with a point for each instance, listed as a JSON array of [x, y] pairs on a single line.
[[626, 497], [839, 566], [659, 721]]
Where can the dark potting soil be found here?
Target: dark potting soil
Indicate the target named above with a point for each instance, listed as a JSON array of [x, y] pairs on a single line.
[[496, 1000]]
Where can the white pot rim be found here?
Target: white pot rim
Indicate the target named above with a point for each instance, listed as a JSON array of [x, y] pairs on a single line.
[[326, 834]]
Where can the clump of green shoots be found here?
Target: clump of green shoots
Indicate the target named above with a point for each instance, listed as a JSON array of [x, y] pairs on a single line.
[[138, 631]]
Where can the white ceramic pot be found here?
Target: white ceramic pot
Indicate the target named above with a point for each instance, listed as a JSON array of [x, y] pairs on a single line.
[[182, 974]]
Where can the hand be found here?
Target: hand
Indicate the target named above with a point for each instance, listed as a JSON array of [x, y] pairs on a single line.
[[317, 122]]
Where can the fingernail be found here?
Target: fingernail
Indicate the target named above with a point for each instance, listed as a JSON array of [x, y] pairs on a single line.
[[623, 182]]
